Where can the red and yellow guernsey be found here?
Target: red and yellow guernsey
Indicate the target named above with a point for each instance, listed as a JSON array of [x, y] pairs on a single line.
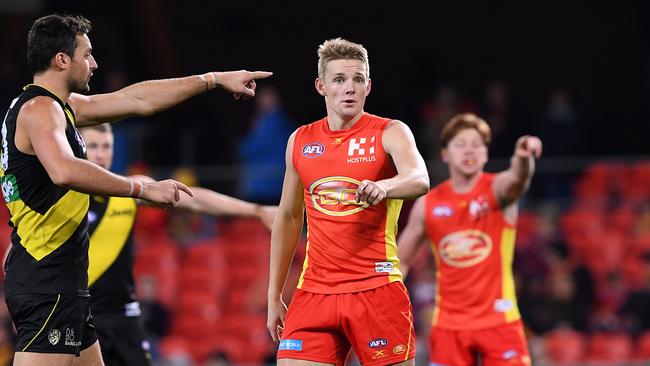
[[351, 245], [473, 246]]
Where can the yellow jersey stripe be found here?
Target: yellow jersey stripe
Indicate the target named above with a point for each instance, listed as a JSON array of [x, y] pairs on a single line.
[[508, 282], [393, 207], [438, 298], [110, 236], [305, 264], [43, 234]]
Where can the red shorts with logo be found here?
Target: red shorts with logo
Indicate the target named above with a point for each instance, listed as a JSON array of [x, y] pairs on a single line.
[[377, 323], [501, 345]]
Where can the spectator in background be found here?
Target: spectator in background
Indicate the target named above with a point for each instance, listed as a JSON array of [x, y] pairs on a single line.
[[499, 108], [560, 126], [218, 358], [562, 132], [635, 312], [155, 315], [554, 291], [185, 226], [434, 113], [127, 135], [262, 149], [642, 226]]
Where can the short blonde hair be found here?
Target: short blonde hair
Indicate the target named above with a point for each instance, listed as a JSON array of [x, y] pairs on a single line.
[[103, 128], [465, 121], [341, 49]]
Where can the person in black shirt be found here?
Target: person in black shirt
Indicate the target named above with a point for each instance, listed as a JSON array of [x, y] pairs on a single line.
[[46, 182], [116, 311]]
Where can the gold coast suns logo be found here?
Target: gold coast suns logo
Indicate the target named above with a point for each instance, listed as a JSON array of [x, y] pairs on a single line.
[[335, 196], [465, 248]]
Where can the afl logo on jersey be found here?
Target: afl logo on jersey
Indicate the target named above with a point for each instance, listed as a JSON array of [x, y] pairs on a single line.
[[465, 248], [313, 150], [335, 196], [442, 211]]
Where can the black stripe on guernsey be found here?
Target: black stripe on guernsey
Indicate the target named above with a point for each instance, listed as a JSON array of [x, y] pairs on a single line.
[[110, 230]]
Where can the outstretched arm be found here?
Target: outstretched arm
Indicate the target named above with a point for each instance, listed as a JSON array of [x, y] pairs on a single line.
[[511, 184], [412, 236], [412, 179], [41, 131], [216, 204], [149, 97], [284, 240]]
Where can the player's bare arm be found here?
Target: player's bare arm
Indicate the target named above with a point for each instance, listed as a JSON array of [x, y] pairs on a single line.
[[284, 240], [412, 237], [511, 184], [41, 132], [412, 179], [213, 203], [152, 96]]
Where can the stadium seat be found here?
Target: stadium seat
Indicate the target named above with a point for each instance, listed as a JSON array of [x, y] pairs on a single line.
[[207, 256], [150, 222], [193, 327], [200, 304], [622, 219], [526, 227], [171, 345], [565, 346], [637, 187], [214, 281], [238, 228], [163, 255], [609, 347], [596, 182], [642, 349]]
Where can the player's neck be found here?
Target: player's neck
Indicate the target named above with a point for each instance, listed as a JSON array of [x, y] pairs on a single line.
[[54, 84], [463, 183], [340, 123]]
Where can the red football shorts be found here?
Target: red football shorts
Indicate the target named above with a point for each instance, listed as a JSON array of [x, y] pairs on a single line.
[[377, 323], [501, 345]]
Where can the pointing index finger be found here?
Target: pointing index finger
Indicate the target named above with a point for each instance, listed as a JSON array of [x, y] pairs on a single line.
[[260, 74], [184, 188]]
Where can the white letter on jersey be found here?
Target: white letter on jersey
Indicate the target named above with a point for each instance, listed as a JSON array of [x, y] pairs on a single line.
[[356, 147]]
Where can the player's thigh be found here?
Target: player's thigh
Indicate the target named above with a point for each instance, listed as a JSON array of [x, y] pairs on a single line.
[[450, 347], [311, 331], [51, 359], [379, 324], [91, 356], [504, 345]]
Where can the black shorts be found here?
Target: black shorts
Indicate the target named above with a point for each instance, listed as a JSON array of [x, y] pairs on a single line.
[[121, 339], [52, 323]]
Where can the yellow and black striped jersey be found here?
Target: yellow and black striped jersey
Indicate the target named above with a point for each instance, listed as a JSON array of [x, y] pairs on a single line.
[[110, 269], [49, 241]]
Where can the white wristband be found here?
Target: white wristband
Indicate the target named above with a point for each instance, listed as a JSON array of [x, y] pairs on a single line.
[[131, 187], [213, 76], [210, 80]]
